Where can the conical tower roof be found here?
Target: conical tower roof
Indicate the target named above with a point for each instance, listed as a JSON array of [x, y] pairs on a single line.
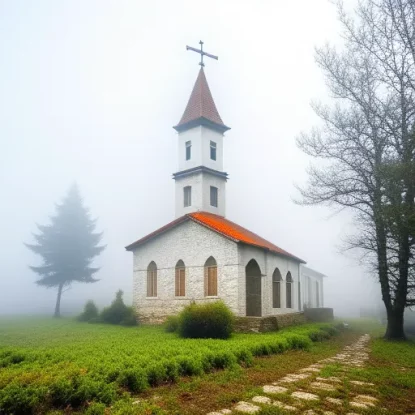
[[201, 109]]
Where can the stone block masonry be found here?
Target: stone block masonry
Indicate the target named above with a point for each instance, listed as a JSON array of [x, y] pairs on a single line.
[[265, 324]]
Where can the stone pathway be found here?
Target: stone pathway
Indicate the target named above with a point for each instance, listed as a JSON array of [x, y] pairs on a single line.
[[308, 393]]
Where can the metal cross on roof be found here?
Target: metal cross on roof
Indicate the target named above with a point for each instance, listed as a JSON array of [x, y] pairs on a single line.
[[202, 53]]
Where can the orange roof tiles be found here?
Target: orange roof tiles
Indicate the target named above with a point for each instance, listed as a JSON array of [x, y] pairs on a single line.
[[222, 226], [201, 104], [237, 232]]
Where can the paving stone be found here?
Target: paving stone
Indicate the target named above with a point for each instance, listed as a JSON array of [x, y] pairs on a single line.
[[359, 405], [329, 379], [335, 401], [365, 399], [322, 386], [247, 407], [360, 383], [305, 395], [310, 369], [261, 399], [294, 377], [285, 406], [274, 389]]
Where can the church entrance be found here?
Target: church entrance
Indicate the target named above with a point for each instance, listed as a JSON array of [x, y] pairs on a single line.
[[253, 289]]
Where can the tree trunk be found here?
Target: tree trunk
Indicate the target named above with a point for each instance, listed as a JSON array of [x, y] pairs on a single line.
[[394, 330], [58, 302]]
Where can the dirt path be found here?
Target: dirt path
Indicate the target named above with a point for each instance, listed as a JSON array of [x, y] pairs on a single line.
[[313, 391]]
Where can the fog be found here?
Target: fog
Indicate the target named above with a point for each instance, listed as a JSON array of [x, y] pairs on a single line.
[[89, 91]]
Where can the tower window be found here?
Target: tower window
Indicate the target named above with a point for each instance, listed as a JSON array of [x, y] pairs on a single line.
[[188, 150], [213, 150], [187, 193], [213, 196]]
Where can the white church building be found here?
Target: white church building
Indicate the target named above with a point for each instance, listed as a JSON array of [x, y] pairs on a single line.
[[202, 256]]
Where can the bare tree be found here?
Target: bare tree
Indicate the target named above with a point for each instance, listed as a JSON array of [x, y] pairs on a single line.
[[366, 142]]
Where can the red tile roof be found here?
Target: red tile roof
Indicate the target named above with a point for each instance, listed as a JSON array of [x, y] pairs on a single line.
[[201, 104], [222, 226]]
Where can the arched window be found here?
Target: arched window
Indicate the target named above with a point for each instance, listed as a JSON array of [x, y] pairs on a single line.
[[211, 278], [180, 290], [276, 289], [289, 282], [152, 280]]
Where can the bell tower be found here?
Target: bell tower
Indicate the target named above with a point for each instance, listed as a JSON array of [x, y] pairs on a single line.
[[200, 179]]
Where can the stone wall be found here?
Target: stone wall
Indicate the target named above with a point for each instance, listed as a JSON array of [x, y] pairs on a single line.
[[193, 244], [319, 314], [264, 324], [268, 262]]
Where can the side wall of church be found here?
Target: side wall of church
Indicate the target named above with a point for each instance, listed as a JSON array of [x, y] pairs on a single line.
[[267, 262], [193, 244]]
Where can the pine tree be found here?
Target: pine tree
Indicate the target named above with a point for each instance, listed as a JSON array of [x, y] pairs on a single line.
[[67, 246]]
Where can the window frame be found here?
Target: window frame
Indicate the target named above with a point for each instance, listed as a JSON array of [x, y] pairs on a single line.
[[187, 196], [276, 288], [211, 278], [214, 188], [180, 280], [213, 150], [151, 280], [188, 150]]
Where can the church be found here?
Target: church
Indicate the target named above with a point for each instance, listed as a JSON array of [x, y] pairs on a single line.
[[201, 255]]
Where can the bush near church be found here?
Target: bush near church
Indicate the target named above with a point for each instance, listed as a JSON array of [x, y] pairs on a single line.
[[211, 320], [116, 313], [90, 312]]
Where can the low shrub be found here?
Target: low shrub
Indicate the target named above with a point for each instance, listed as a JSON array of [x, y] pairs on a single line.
[[298, 341], [189, 366], [172, 370], [95, 408], [223, 360], [319, 335], [61, 391], [118, 312], [130, 317], [171, 325], [244, 357], [90, 312], [331, 330], [134, 379], [211, 320], [21, 400]]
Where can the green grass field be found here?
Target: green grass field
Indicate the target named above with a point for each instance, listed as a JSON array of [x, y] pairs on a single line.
[[81, 367]]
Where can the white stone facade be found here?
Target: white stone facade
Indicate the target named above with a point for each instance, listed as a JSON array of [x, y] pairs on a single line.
[[313, 287], [200, 138], [200, 183], [194, 244]]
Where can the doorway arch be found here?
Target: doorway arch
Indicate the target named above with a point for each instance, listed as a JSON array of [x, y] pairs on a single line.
[[253, 289]]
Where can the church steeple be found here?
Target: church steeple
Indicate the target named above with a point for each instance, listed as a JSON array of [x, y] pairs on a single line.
[[201, 108], [200, 179]]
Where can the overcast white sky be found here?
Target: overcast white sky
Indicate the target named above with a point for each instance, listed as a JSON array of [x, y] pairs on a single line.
[[89, 91]]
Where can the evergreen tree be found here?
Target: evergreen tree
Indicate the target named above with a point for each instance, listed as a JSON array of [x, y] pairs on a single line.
[[67, 246]]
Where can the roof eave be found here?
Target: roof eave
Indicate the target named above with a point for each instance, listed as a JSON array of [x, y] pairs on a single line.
[[221, 128], [287, 255]]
